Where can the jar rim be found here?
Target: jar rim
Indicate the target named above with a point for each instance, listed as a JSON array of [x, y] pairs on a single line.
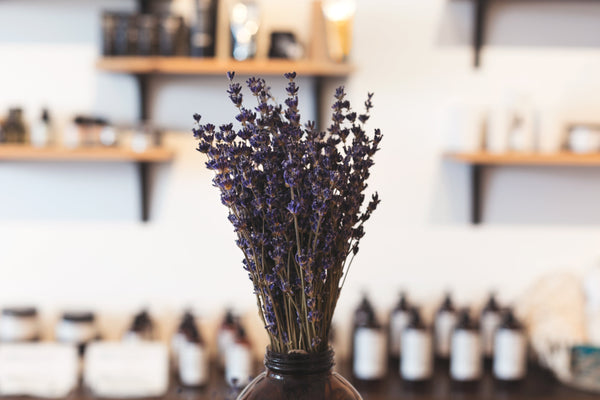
[[299, 363]]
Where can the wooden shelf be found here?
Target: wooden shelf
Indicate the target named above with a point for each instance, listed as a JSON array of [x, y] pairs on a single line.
[[104, 154], [214, 66], [95, 154], [541, 159], [477, 161]]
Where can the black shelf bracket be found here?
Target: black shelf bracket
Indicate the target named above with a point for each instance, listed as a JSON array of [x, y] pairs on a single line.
[[476, 171], [481, 8], [143, 174]]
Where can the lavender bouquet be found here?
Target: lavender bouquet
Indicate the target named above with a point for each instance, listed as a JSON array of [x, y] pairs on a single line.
[[295, 197]]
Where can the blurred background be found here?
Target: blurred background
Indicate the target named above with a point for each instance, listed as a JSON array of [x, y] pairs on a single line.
[[487, 169]]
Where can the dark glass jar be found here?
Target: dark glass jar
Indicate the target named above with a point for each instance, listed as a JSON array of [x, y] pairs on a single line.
[[299, 376]]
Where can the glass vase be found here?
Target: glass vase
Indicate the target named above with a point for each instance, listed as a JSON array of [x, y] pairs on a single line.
[[299, 376]]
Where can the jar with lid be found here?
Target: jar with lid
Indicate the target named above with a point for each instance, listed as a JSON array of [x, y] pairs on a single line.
[[239, 362], [19, 324], [510, 349], [489, 321], [369, 361], [226, 336], [399, 319], [192, 356], [77, 327], [444, 323], [416, 364], [14, 128], [465, 355], [141, 329]]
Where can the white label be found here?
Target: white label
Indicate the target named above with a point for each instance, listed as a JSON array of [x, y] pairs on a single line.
[[465, 360], [369, 354], [38, 369], [510, 354], [445, 322], [193, 364], [13, 328], [114, 369], [238, 365], [489, 323], [398, 322], [417, 358], [75, 332], [225, 338], [176, 343]]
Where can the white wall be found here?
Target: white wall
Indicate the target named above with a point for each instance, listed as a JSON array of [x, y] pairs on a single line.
[[69, 234]]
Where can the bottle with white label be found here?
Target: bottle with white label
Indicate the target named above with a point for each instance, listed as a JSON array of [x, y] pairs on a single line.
[[41, 131], [179, 337], [465, 356], [192, 357], [369, 361], [363, 312], [239, 361], [226, 336], [443, 326], [489, 321], [399, 319], [510, 349], [416, 364]]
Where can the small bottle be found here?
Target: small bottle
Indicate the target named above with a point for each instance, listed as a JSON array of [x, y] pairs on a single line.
[[369, 356], [19, 325], [41, 131], [399, 319], [465, 355], [192, 357], [416, 364], [510, 349], [141, 329], [14, 128], [78, 328], [179, 337], [361, 317], [239, 361], [203, 29], [444, 323], [489, 321], [226, 336]]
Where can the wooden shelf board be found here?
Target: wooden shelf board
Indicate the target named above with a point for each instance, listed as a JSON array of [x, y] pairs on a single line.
[[214, 66], [541, 159], [28, 153]]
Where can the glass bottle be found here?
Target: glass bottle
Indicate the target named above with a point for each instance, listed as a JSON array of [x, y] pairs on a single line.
[[399, 319], [14, 129], [141, 329], [203, 29], [510, 349], [78, 328], [416, 364], [299, 376], [465, 355], [489, 321], [369, 361], [193, 357], [444, 323], [239, 363], [179, 337]]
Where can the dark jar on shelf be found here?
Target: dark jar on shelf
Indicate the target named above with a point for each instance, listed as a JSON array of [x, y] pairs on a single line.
[[299, 376]]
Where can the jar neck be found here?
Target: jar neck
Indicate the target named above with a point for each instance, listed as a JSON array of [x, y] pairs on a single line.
[[299, 363]]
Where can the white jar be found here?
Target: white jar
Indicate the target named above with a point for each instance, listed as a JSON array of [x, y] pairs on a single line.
[[77, 328], [19, 325], [193, 364], [416, 363], [238, 364], [370, 361], [465, 359]]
